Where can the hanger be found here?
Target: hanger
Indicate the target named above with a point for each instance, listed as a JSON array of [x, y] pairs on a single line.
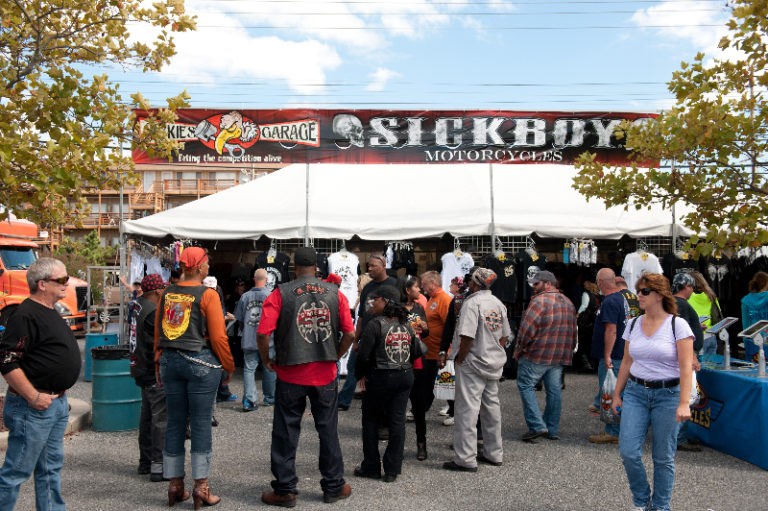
[[498, 253], [457, 248], [343, 248], [641, 246]]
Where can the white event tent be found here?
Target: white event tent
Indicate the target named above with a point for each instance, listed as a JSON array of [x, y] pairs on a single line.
[[405, 201]]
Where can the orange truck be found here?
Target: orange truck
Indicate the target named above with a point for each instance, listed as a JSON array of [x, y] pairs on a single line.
[[18, 250]]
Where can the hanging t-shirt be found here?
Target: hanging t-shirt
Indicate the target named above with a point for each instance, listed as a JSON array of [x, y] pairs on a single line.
[[345, 264], [527, 264], [322, 265], [455, 266], [672, 264], [505, 286], [277, 268], [637, 263]]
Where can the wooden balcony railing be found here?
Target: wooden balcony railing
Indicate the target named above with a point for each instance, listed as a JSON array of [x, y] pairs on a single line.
[[198, 187], [104, 220]]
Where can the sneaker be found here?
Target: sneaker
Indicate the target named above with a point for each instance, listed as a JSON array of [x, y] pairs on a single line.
[[533, 435], [343, 408], [345, 492], [389, 478], [443, 411], [269, 403], [689, 447], [449, 421], [603, 438], [231, 398], [275, 499], [249, 408], [593, 410], [409, 416]]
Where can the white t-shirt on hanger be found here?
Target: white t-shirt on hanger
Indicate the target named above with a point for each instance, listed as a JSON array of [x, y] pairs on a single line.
[[455, 267], [345, 264], [637, 263]]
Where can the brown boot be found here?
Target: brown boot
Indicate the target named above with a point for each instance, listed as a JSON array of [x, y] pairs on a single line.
[[201, 495], [176, 491]]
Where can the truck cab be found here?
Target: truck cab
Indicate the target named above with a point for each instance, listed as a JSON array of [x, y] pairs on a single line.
[[18, 251]]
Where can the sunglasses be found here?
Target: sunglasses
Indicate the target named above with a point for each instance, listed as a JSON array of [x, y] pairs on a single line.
[[645, 291], [61, 280]]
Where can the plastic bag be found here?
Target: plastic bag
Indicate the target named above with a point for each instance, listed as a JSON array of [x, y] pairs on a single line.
[[606, 399], [445, 381], [694, 398]]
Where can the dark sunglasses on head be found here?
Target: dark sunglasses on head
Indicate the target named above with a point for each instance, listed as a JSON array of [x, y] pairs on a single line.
[[645, 291], [61, 280]]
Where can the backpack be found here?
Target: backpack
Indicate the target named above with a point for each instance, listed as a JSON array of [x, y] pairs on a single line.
[[634, 320]]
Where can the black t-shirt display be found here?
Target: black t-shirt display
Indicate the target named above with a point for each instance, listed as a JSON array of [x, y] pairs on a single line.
[[527, 264], [277, 268], [39, 341], [505, 286]]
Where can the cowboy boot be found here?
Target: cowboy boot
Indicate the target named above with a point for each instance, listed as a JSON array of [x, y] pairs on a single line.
[[176, 491], [201, 495]]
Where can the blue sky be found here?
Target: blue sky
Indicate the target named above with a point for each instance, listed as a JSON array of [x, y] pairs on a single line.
[[604, 55]]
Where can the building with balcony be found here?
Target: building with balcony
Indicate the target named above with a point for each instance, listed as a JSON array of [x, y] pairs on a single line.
[[160, 187]]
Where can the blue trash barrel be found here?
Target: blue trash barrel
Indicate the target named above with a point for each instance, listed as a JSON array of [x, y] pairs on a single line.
[[116, 399], [92, 341]]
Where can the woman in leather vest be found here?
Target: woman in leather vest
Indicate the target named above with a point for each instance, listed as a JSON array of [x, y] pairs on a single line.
[[193, 351], [387, 348]]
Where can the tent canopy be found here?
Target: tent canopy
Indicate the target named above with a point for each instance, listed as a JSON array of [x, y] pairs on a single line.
[[380, 202]]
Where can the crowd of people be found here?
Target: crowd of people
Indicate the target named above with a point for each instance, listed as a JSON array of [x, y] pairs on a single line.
[[407, 332]]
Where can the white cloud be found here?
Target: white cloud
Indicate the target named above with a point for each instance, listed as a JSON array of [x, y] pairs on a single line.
[[379, 79], [676, 20]]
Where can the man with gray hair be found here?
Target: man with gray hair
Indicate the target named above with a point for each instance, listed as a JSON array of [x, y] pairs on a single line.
[[40, 360], [545, 343], [483, 331]]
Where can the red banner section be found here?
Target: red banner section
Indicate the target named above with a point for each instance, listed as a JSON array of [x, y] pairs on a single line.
[[393, 136]]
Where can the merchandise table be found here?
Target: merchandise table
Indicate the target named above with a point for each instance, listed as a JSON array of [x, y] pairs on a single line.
[[732, 414]]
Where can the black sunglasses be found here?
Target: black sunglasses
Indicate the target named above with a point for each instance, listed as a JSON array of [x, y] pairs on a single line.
[[645, 291], [61, 280]]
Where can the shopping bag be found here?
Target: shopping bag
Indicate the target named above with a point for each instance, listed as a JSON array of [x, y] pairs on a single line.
[[606, 399], [694, 399], [445, 381]]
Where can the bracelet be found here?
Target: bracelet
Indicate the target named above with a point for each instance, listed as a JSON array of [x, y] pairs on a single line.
[[440, 354]]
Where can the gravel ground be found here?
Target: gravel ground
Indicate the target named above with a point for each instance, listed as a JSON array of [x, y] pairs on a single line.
[[569, 474]]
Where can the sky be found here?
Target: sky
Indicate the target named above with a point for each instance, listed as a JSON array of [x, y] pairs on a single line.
[[529, 55]]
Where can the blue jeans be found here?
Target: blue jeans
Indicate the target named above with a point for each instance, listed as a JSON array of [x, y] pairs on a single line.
[[290, 403], [643, 408], [251, 360], [35, 444], [348, 389], [528, 375], [190, 390], [611, 429]]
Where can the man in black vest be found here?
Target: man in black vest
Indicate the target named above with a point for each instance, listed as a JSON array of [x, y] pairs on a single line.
[[306, 315], [153, 410]]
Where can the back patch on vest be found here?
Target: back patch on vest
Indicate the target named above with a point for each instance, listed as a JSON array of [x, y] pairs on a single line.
[[176, 312], [397, 344], [314, 322]]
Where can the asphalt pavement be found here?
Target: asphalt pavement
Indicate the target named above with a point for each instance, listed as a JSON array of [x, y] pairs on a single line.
[[564, 475]]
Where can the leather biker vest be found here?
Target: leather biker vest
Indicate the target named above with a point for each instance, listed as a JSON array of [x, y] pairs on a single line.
[[308, 327], [182, 325]]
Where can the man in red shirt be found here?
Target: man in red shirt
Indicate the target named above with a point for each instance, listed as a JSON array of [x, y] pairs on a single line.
[[306, 316]]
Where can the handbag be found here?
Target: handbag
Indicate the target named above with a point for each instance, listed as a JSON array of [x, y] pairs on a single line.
[[445, 382]]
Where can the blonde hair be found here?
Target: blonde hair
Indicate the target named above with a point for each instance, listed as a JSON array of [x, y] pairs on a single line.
[[702, 286]]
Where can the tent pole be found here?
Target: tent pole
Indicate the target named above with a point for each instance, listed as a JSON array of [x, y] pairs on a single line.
[[493, 208], [306, 207]]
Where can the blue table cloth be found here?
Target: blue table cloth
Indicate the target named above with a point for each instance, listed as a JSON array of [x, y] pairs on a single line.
[[732, 414]]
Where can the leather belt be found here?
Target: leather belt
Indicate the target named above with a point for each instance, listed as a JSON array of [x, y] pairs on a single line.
[[54, 393], [656, 384]]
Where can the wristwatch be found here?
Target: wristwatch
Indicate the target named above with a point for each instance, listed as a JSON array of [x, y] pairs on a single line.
[[441, 354]]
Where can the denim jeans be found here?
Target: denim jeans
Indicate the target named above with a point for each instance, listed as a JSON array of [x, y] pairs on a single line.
[[655, 408], [190, 390], [152, 428], [528, 375], [251, 360], [611, 429], [348, 389], [35, 445], [385, 401], [290, 404]]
